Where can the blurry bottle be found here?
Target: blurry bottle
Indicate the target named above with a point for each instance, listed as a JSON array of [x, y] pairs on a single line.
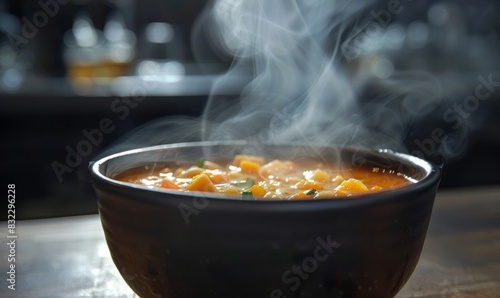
[[163, 41], [95, 56], [119, 45], [84, 49]]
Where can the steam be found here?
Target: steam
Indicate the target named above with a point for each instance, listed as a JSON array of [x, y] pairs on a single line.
[[300, 92], [302, 89]]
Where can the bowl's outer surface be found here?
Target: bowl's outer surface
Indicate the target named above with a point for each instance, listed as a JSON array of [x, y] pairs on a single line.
[[176, 245]]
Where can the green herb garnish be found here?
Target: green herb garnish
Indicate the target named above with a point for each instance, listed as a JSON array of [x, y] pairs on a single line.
[[247, 195], [200, 163], [311, 192], [249, 182]]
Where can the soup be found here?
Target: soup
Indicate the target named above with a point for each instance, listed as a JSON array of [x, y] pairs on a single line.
[[255, 177]]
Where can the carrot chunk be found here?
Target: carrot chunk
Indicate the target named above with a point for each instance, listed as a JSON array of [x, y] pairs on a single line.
[[168, 184], [257, 191], [201, 183], [303, 195], [218, 177], [249, 167]]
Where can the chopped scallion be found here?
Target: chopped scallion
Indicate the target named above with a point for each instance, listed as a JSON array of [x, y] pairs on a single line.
[[200, 163], [247, 195], [311, 192]]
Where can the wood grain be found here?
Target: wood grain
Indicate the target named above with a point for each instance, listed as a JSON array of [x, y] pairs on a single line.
[[461, 256]]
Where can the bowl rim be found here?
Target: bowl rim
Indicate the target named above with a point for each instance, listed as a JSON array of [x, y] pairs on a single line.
[[432, 174]]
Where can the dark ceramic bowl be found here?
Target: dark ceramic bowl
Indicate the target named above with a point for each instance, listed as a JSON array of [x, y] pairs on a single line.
[[171, 244]]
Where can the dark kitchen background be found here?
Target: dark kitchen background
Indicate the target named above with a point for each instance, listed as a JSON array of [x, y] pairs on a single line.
[[65, 65]]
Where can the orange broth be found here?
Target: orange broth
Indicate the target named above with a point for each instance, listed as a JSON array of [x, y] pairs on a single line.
[[255, 177]]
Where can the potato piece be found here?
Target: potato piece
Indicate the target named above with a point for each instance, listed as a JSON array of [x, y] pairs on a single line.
[[229, 190], [236, 176], [293, 180], [305, 184], [326, 194], [249, 167], [338, 179], [210, 165], [352, 186], [178, 172], [320, 176], [277, 169], [257, 191], [253, 158], [191, 172], [201, 183]]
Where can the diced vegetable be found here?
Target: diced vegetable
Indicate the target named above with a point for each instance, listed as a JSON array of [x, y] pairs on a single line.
[[257, 191], [250, 177], [201, 183], [311, 192], [320, 176], [218, 177], [338, 179], [191, 172], [229, 190], [307, 184], [352, 186], [178, 172], [236, 176], [210, 165], [256, 159], [168, 184], [249, 167], [200, 163], [326, 194], [247, 195], [278, 169], [301, 195]]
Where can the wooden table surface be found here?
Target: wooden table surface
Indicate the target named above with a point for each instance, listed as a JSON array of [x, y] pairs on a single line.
[[68, 257]]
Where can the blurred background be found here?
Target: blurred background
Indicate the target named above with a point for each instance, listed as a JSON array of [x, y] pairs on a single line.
[[77, 75]]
